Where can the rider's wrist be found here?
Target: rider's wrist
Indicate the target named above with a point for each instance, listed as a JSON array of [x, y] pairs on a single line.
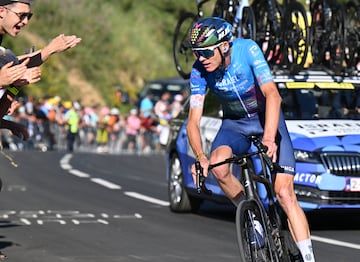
[[200, 155], [268, 140]]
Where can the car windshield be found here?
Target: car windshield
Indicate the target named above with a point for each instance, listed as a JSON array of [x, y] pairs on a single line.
[[321, 103], [155, 89]]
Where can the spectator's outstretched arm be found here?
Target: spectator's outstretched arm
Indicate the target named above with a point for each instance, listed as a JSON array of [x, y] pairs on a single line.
[[57, 45]]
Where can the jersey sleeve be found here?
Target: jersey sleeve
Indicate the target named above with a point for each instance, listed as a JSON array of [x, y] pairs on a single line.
[[197, 81], [258, 64]]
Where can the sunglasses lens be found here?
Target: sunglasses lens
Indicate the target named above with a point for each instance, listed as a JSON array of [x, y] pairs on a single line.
[[206, 53]]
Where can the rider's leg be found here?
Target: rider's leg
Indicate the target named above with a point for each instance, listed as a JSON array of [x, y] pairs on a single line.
[[299, 227], [227, 181]]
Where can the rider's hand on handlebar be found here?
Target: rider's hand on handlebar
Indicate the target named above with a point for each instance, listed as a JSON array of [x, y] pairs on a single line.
[[204, 162], [272, 149]]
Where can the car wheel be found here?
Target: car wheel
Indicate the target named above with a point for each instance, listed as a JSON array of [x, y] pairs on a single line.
[[180, 201]]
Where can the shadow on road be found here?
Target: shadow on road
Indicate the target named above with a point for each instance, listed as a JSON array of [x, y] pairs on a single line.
[[337, 219], [225, 212], [5, 244], [341, 219]]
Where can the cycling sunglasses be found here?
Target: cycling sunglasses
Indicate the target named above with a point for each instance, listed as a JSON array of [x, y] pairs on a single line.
[[206, 52]]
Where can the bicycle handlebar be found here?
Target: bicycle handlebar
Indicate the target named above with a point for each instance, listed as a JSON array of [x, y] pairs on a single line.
[[241, 159], [200, 180]]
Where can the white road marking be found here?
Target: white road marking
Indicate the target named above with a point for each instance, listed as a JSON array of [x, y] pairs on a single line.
[[335, 242], [105, 183], [16, 188], [64, 162], [147, 198], [78, 173], [66, 166], [57, 221], [25, 221], [136, 215]]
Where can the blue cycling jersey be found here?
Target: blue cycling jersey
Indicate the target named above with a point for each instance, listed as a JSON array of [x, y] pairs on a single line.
[[237, 86]]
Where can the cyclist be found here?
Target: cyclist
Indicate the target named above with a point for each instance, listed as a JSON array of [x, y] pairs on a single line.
[[236, 71]]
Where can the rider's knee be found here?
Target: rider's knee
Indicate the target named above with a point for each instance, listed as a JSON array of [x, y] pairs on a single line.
[[221, 173], [285, 195]]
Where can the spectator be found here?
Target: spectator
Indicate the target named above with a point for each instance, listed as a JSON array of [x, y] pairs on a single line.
[[102, 134], [176, 106], [14, 15], [89, 124], [133, 124], [147, 132], [146, 106], [162, 106], [115, 127], [71, 120]]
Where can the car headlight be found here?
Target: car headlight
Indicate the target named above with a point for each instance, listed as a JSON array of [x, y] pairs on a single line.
[[306, 156]]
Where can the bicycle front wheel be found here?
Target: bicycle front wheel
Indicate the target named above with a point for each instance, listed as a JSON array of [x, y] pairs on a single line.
[[182, 53], [252, 246]]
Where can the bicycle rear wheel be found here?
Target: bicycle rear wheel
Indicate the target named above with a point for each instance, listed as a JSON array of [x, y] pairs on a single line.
[[247, 212], [296, 38], [182, 53]]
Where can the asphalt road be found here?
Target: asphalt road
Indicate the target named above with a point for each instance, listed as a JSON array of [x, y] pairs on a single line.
[[57, 207]]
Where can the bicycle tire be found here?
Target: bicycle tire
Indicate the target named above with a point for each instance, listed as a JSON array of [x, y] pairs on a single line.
[[267, 30], [182, 53], [296, 39], [316, 32], [245, 213], [337, 39], [248, 24], [352, 35]]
